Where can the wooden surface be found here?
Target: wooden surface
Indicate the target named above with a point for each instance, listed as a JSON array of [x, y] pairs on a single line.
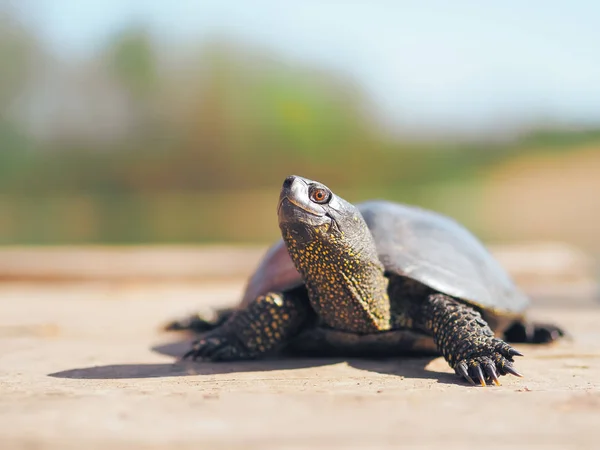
[[84, 366]]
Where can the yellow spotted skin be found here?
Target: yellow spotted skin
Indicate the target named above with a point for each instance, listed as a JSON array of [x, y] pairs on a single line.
[[346, 285], [270, 320], [261, 327]]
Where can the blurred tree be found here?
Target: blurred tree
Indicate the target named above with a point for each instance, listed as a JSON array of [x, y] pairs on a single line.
[[19, 52], [131, 57], [244, 107], [145, 147]]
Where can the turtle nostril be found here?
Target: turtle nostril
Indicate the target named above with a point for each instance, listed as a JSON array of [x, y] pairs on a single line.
[[287, 184]]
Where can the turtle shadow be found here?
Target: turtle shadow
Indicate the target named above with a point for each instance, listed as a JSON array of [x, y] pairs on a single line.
[[406, 367], [181, 369]]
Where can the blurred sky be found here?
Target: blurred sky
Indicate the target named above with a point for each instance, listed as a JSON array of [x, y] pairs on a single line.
[[449, 65]]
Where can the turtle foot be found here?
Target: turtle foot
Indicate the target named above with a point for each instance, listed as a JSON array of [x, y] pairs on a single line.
[[534, 333], [487, 368], [198, 324], [218, 347], [193, 323]]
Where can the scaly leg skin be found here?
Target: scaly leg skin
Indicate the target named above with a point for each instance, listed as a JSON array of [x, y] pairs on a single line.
[[466, 340], [263, 326]]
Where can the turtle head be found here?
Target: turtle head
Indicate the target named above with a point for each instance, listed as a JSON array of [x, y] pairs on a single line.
[[334, 251], [309, 210]]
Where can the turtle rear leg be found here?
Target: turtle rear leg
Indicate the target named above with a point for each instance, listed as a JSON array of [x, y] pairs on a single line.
[[264, 325], [197, 324], [533, 332]]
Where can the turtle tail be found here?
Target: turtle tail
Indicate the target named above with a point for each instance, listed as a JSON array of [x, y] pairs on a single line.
[[197, 324]]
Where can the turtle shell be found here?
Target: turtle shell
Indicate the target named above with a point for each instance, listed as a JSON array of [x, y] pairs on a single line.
[[419, 244]]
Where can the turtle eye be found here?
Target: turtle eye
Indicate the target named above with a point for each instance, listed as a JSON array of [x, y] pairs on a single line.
[[320, 195]]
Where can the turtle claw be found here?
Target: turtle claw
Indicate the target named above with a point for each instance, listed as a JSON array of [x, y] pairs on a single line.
[[490, 371], [189, 354], [508, 368], [462, 370], [513, 352], [218, 347], [485, 369], [479, 374]]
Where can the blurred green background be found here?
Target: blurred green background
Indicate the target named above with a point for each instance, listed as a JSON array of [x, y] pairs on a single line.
[[141, 138]]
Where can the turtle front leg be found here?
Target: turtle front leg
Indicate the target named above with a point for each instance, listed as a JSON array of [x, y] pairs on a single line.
[[466, 340], [264, 325]]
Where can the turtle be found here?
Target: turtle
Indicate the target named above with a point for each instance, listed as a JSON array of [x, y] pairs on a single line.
[[374, 279]]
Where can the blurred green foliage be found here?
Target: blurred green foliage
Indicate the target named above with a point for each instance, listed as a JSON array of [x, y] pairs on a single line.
[[201, 143]]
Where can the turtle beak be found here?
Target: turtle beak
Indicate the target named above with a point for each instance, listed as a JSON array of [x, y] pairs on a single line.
[[294, 200]]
